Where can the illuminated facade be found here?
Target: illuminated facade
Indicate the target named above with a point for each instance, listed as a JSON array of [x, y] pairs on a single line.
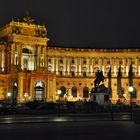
[[31, 70]]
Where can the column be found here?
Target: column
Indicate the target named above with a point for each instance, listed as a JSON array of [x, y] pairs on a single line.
[[88, 65], [80, 66], [77, 65], [20, 87], [65, 65], [38, 55], [68, 65], [19, 49], [54, 89], [45, 51], [57, 65]]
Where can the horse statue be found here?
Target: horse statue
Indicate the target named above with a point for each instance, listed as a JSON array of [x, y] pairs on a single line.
[[99, 78]]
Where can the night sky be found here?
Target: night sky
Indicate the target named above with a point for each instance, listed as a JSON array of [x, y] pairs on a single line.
[[81, 23]]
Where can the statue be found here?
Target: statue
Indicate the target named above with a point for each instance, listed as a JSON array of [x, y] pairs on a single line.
[[99, 78]]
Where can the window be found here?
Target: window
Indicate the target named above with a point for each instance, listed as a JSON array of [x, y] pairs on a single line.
[[85, 91], [72, 61], [74, 91], [84, 74], [49, 60], [61, 61], [84, 61], [96, 62], [72, 73], [108, 62]]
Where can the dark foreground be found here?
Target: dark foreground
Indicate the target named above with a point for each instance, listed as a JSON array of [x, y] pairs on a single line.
[[95, 130]]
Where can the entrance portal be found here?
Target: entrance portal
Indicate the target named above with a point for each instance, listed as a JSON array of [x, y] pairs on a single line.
[[39, 91]]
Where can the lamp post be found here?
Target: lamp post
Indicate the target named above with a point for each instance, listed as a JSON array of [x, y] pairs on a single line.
[[59, 93], [26, 96], [131, 89], [8, 96]]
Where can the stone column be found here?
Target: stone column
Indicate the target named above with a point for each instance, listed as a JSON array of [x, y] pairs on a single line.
[[57, 65], [65, 65], [54, 89], [68, 65], [80, 66], [38, 55], [19, 50], [12, 53], [45, 51], [20, 87], [32, 88], [88, 66], [77, 65]]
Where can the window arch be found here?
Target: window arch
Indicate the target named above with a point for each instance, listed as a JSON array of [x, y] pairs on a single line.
[[74, 91], [85, 92], [26, 50]]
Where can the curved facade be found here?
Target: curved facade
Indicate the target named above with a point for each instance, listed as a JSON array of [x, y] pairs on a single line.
[[32, 70]]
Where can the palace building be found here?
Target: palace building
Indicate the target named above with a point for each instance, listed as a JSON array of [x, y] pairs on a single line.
[[32, 70]]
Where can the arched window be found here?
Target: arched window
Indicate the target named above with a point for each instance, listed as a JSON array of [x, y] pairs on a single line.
[[74, 91], [26, 50], [85, 92]]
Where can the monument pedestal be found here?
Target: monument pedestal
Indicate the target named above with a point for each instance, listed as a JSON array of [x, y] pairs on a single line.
[[100, 95]]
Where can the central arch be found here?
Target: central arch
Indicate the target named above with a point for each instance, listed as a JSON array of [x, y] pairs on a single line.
[[39, 91]]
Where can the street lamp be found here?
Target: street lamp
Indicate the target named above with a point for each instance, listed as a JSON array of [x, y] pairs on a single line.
[[26, 96], [131, 89], [8, 96]]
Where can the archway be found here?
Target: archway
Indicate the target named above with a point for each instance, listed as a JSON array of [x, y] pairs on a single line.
[[85, 92], [74, 91], [39, 91]]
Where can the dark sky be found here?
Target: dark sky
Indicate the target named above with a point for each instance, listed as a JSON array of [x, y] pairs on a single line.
[[81, 23]]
